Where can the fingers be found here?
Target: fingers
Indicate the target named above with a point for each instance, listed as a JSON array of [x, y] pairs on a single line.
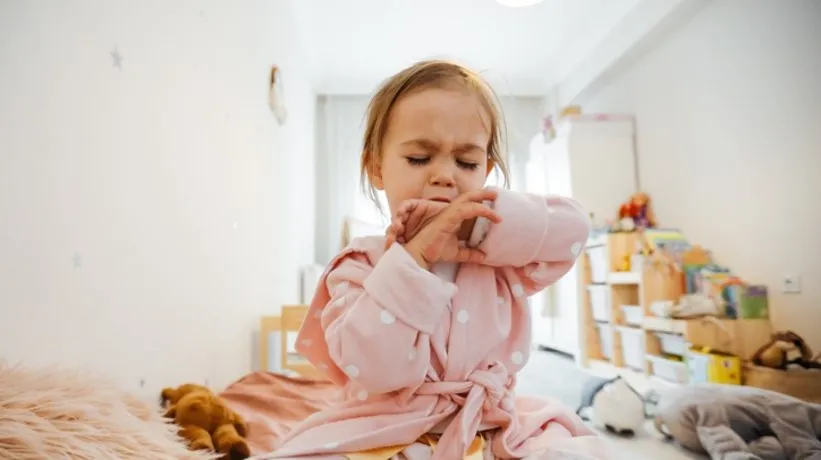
[[406, 208], [469, 255], [389, 240], [478, 196], [470, 210], [394, 233]]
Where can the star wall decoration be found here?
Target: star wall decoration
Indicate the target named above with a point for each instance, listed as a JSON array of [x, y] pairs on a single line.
[[116, 59]]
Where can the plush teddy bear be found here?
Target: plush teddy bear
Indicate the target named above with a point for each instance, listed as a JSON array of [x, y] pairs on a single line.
[[205, 421], [776, 353]]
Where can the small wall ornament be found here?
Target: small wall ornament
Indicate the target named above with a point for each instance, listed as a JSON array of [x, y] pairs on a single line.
[[276, 97]]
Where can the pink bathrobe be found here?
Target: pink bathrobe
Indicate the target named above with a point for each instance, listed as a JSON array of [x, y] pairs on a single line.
[[414, 351]]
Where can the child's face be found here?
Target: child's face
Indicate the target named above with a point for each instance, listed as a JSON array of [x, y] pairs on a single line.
[[435, 147]]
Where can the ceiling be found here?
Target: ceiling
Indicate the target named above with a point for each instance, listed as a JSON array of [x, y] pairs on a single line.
[[351, 45]]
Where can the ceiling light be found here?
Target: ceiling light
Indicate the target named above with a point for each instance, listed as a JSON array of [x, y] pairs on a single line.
[[518, 3]]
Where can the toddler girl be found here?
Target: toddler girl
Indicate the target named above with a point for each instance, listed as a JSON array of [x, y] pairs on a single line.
[[426, 328]]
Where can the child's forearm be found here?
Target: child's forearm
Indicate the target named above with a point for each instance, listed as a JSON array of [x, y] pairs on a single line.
[[392, 303], [534, 229], [539, 238]]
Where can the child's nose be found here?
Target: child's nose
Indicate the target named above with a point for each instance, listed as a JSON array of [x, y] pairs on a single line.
[[442, 179]]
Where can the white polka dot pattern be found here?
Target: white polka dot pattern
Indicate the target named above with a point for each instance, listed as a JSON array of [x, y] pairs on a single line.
[[463, 316], [362, 395], [386, 317], [517, 357], [518, 290], [575, 249], [352, 371]]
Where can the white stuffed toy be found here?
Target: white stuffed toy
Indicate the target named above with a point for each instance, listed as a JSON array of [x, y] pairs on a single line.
[[614, 404]]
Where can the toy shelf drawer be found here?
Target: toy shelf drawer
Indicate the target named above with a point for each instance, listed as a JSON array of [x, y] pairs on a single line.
[[632, 344], [673, 344], [597, 257], [605, 340], [600, 301], [669, 370]]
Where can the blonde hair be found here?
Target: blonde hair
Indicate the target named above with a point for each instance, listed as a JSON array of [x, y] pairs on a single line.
[[427, 74]]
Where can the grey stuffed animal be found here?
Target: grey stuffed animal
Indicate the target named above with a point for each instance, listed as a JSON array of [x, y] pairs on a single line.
[[730, 422]]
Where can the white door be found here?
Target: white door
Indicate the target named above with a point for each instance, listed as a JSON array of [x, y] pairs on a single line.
[[542, 321], [565, 315]]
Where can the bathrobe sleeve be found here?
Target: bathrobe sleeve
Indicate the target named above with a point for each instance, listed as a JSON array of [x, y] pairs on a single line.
[[368, 322], [539, 237]]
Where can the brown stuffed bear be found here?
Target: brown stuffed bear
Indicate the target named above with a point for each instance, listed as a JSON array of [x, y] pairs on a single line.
[[776, 353], [206, 422]]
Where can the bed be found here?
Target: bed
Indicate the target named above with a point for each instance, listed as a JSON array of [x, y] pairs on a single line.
[[273, 401]]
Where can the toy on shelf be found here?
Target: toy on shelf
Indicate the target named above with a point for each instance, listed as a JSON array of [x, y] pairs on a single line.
[[688, 306], [708, 288], [625, 265], [636, 214], [735, 297]]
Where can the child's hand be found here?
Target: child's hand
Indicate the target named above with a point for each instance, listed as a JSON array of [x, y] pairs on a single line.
[[437, 240], [411, 216]]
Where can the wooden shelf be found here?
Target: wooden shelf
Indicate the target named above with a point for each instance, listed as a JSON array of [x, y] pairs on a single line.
[[653, 280]]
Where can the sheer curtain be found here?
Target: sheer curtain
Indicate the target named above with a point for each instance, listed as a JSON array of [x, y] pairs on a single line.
[[339, 130]]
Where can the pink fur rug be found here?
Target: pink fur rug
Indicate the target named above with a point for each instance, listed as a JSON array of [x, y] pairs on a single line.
[[57, 413]]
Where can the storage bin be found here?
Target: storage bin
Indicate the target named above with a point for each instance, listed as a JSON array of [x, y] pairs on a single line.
[[632, 346], [799, 383], [709, 366], [600, 302], [669, 370], [606, 340], [597, 256], [672, 344], [633, 315]]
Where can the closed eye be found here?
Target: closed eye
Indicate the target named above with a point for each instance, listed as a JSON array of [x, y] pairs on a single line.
[[467, 165], [416, 161]]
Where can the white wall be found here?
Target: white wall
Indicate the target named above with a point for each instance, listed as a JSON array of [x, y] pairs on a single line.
[[729, 140], [169, 178]]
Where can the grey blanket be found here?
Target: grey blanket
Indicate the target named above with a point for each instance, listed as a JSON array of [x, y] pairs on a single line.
[[730, 422]]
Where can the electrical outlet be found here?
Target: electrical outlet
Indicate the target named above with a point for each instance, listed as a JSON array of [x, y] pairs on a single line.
[[791, 284]]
